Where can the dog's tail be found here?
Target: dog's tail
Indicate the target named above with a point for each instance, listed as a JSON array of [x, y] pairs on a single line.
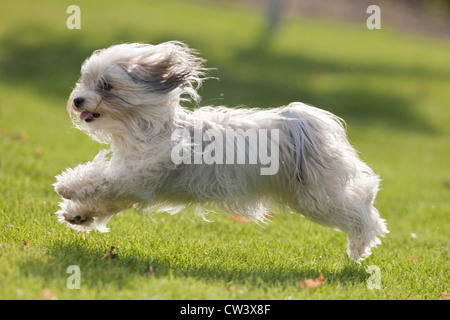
[[315, 138]]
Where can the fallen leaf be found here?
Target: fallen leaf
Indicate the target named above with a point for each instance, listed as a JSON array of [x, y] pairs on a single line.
[[150, 272], [47, 294], [25, 243], [233, 288], [3, 131], [311, 284], [38, 153], [110, 255], [413, 257], [240, 219], [446, 182], [446, 295], [20, 136]]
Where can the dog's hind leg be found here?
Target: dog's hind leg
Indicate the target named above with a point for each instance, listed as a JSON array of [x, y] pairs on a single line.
[[347, 207], [334, 187]]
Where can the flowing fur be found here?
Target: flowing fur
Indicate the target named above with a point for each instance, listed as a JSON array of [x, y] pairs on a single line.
[[135, 92]]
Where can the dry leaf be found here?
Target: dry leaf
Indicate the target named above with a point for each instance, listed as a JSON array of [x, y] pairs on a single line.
[[311, 284], [233, 288], [3, 131], [240, 219], [413, 257], [25, 243], [150, 272], [446, 182], [20, 136], [47, 294], [38, 153], [110, 255], [446, 295]]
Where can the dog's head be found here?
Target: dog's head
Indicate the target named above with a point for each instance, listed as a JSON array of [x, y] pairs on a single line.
[[123, 85]]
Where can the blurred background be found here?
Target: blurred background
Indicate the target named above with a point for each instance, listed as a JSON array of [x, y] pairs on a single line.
[[430, 17], [267, 52], [391, 85]]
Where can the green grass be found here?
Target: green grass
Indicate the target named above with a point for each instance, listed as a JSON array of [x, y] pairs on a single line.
[[392, 89]]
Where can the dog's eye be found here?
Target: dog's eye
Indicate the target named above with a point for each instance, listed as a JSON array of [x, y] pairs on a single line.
[[104, 85]]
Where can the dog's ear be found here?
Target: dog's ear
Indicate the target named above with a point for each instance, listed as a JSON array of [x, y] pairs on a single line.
[[167, 66]]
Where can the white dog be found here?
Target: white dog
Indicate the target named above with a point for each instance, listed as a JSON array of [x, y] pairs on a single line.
[[129, 96]]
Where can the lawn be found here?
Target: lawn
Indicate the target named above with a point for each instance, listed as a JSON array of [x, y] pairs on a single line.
[[392, 89]]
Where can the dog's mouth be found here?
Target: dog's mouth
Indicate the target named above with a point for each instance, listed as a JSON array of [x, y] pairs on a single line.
[[89, 116]]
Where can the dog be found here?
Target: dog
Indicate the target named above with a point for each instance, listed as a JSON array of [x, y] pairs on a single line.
[[130, 96]]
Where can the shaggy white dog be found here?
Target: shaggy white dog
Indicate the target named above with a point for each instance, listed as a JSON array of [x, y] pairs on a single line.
[[165, 157]]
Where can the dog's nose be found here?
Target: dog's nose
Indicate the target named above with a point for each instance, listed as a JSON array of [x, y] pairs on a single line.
[[78, 102]]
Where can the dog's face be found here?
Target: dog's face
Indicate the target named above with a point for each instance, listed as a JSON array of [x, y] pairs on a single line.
[[125, 82]]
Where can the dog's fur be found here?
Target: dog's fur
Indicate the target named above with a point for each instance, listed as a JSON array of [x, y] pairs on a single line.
[[130, 95]]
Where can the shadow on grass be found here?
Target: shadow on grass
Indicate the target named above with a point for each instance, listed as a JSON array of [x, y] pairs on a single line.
[[51, 66], [266, 79], [117, 272], [256, 77]]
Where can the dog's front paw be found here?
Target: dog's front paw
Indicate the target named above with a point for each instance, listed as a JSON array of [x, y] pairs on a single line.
[[79, 216], [83, 216], [78, 220]]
